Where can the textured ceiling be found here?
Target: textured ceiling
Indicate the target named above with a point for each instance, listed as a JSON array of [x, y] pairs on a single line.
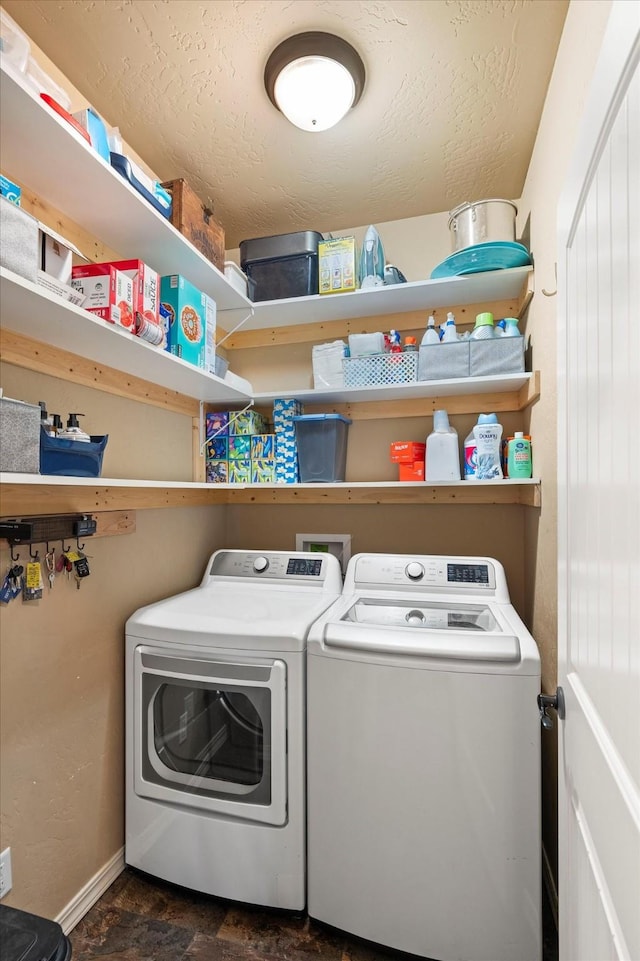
[[450, 109]]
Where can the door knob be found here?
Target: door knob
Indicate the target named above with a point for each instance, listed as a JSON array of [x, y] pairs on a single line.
[[556, 701]]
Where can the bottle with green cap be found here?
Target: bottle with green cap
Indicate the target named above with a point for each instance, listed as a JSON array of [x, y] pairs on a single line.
[[483, 329]]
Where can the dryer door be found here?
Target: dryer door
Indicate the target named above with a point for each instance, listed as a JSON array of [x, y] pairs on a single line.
[[211, 734]]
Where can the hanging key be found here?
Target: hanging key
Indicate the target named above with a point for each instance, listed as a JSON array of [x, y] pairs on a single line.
[[81, 569], [50, 560]]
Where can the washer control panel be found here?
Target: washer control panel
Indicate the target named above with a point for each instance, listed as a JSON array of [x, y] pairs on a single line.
[[427, 572]]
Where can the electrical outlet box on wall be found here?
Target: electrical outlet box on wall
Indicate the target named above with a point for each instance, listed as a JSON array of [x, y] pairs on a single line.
[[337, 544]]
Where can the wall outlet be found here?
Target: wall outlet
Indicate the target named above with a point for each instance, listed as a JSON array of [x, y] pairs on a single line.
[[6, 880], [337, 544]]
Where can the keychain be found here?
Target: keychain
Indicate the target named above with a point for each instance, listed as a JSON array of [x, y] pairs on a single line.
[[82, 569], [50, 560], [32, 589]]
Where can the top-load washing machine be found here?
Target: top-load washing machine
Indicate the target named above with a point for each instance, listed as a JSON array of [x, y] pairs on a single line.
[[423, 758], [215, 727]]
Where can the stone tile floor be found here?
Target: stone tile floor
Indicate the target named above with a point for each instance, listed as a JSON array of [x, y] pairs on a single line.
[[141, 918]]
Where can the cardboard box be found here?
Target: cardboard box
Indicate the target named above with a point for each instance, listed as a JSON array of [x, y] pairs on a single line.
[[187, 308], [407, 451], [210, 360], [56, 255], [146, 287], [337, 265], [107, 291], [11, 191], [195, 221]]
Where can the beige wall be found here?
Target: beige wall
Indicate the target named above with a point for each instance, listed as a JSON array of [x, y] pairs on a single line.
[[62, 667]]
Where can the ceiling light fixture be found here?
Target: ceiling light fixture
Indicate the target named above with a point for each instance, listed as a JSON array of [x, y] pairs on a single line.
[[314, 79]]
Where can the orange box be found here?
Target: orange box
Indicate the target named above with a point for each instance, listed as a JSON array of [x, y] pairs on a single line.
[[407, 452], [411, 472]]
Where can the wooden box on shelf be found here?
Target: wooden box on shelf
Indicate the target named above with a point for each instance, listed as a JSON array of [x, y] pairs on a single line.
[[195, 221]]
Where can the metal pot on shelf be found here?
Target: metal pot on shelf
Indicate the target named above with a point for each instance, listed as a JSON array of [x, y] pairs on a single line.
[[482, 222]]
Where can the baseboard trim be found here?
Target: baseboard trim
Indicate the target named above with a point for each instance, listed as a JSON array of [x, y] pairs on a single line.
[[89, 894], [550, 885]]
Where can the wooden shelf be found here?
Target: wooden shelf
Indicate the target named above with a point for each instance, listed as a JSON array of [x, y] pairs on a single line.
[[43, 152], [24, 494], [27, 309]]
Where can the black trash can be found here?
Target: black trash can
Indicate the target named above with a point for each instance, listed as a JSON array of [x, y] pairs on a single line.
[[26, 937]]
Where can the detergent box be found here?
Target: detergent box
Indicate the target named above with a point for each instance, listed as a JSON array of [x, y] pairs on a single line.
[[187, 313]]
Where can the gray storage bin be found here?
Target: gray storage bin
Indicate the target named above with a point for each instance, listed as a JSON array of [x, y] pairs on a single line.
[[19, 436], [497, 355], [443, 361], [322, 447], [19, 233]]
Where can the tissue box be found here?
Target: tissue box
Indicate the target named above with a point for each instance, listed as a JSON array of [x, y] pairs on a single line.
[[217, 472], [263, 446], [247, 422], [284, 410], [337, 265], [217, 423], [239, 447], [263, 471], [19, 436], [217, 448], [239, 471], [19, 233], [187, 308]]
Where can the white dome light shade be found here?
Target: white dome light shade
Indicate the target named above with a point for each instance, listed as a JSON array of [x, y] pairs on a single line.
[[314, 93], [314, 79]]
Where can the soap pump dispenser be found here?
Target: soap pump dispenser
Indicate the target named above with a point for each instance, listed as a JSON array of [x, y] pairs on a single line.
[[73, 431]]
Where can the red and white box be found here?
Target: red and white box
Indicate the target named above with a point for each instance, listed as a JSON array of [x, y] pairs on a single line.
[[108, 292], [146, 288]]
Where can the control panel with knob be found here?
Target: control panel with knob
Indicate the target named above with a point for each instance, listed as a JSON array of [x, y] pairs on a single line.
[[260, 564], [414, 571]]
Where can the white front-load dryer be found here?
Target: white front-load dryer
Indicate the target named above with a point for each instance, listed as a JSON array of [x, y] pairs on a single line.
[[215, 727], [424, 761]]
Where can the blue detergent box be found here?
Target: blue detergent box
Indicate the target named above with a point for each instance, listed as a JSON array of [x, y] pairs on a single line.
[[11, 191], [187, 309]]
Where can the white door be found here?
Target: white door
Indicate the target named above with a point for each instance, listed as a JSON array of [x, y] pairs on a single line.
[[599, 513]]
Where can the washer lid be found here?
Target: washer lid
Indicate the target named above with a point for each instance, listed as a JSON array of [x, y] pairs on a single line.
[[434, 629]]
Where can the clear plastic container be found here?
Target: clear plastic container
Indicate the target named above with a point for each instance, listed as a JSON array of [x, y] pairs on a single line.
[[322, 447], [42, 83], [14, 45]]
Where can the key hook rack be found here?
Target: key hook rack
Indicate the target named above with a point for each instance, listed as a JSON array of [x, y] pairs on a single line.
[[44, 529]]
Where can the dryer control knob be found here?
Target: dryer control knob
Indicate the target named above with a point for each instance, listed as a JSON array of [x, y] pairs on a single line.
[[414, 571], [260, 564]]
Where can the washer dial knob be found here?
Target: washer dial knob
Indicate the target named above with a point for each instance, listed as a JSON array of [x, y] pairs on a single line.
[[414, 571], [260, 564]]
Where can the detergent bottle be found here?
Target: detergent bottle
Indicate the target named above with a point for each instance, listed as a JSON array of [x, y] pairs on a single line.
[[442, 460], [488, 433], [430, 335], [469, 456], [450, 334], [483, 329]]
